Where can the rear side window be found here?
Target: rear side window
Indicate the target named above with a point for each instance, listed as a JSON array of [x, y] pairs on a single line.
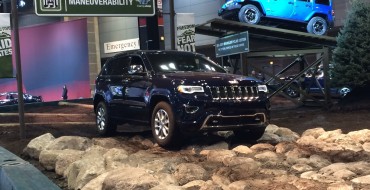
[[118, 66], [322, 2]]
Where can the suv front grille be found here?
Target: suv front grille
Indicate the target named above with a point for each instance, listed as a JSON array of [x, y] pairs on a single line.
[[234, 92]]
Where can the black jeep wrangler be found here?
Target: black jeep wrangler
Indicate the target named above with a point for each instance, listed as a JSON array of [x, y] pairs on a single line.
[[177, 94]]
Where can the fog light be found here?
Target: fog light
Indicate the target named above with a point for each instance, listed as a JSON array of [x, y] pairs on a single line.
[[191, 109]]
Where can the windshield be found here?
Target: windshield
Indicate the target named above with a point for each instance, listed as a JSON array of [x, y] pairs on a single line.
[[183, 63]]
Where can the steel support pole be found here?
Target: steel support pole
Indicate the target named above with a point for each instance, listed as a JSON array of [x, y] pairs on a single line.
[[172, 24], [14, 16], [326, 60]]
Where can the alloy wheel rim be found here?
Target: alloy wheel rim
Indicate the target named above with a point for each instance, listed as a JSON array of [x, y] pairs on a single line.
[[318, 27], [161, 124], [100, 119], [250, 15]]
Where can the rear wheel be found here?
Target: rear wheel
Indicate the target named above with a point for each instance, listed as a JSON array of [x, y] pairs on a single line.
[[344, 91], [250, 134], [317, 25], [104, 124], [163, 126], [249, 14]]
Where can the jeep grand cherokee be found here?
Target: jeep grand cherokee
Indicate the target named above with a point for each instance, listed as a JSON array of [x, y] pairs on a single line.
[[177, 94]]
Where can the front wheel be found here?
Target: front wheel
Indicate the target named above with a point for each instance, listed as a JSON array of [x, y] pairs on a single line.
[[317, 25], [249, 14], [291, 91], [105, 125], [252, 134], [163, 126]]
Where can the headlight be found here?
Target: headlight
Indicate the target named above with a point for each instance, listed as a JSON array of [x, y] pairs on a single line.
[[189, 89], [263, 88]]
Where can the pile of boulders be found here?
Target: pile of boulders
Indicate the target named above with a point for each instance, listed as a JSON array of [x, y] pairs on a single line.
[[281, 159]]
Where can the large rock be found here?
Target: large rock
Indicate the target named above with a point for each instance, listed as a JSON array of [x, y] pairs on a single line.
[[65, 158], [115, 158], [219, 155], [242, 149], [318, 161], [267, 156], [196, 184], [286, 135], [141, 157], [320, 177], [364, 180], [48, 158], [242, 171], [340, 186], [233, 161], [362, 136], [129, 178], [92, 164], [70, 142], [284, 147], [187, 172], [36, 145], [262, 147], [250, 184], [113, 143], [315, 132], [96, 183]]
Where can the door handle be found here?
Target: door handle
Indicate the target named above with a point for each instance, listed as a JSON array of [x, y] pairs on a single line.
[[108, 80], [290, 3], [125, 80]]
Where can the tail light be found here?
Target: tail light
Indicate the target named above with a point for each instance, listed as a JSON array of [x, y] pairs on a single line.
[[332, 12]]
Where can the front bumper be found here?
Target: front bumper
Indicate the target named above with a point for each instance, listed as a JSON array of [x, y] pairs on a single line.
[[229, 10], [222, 116]]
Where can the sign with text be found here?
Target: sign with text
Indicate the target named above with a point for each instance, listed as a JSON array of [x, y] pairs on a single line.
[[123, 45], [6, 66], [185, 29], [233, 44], [95, 7]]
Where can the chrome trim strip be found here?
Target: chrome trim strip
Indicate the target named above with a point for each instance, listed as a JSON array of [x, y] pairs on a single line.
[[204, 126]]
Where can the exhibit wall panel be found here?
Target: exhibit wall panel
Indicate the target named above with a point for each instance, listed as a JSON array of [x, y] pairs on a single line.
[[113, 29], [53, 55], [203, 10]]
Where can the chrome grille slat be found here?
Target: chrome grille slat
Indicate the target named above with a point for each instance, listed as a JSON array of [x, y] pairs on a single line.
[[234, 92]]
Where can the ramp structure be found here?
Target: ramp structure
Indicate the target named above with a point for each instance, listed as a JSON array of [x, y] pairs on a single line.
[[289, 42]]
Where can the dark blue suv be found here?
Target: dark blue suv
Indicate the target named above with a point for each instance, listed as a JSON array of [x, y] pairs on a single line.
[[176, 93], [316, 15]]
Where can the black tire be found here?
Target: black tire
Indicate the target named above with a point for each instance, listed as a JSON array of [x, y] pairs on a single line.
[[163, 126], [252, 134], [317, 25], [249, 14], [344, 91], [105, 125], [291, 91]]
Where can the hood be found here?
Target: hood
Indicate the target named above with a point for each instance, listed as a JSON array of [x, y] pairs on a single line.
[[211, 79]]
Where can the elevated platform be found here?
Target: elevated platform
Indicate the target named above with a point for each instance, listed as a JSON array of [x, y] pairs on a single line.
[[220, 27], [265, 41]]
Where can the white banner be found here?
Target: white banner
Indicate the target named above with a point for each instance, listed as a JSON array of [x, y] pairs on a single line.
[[123, 45], [185, 28], [6, 67]]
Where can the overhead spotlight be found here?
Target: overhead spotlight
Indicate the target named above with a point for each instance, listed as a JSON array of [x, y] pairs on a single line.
[[22, 3]]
